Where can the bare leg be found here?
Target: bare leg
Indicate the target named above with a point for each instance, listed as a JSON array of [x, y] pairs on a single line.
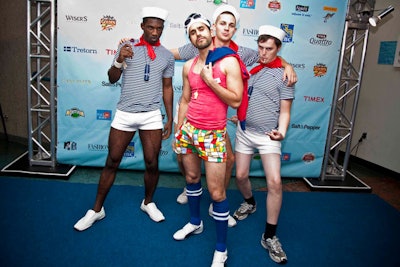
[[242, 174], [272, 167], [230, 161], [117, 143], [151, 142]]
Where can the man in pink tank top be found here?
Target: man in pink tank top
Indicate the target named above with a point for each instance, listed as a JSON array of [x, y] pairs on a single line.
[[208, 90]]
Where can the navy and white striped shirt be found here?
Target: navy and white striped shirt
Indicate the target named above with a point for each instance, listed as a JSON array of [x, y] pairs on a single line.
[[264, 104], [138, 95]]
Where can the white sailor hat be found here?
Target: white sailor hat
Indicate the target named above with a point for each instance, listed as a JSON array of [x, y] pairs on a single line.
[[154, 12], [196, 17], [226, 8], [273, 31]]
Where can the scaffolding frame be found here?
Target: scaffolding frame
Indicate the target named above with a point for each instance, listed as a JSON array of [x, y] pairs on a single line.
[[335, 173], [41, 82]]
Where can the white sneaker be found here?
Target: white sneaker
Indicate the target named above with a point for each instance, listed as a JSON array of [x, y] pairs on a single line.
[[152, 210], [231, 221], [219, 258], [89, 219], [187, 230], [182, 198]]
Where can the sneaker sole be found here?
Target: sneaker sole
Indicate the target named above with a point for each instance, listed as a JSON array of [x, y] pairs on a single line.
[[244, 216], [270, 254]]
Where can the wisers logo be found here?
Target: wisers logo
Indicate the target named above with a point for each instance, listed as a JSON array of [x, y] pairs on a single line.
[[71, 18]]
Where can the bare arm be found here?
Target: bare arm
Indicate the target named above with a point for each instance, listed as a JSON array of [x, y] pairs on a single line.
[[289, 73], [284, 119], [114, 73], [232, 95], [186, 94], [175, 52], [168, 95]]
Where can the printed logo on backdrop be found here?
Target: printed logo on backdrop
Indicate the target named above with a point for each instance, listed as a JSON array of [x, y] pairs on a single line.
[[97, 147], [320, 40], [289, 29], [298, 66], [315, 99], [330, 13], [305, 127], [130, 150], [308, 157], [103, 115], [108, 84], [108, 23], [77, 81], [111, 52], [320, 70], [73, 18], [301, 11], [75, 113], [82, 50], [70, 145], [251, 4], [274, 6], [250, 32]]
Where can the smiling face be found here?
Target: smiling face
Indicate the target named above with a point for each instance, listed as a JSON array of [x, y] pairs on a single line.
[[152, 29]]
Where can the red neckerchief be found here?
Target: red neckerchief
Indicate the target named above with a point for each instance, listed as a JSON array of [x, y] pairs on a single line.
[[232, 45], [276, 63], [150, 50]]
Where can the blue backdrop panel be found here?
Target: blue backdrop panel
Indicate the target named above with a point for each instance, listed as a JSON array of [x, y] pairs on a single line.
[[87, 39]]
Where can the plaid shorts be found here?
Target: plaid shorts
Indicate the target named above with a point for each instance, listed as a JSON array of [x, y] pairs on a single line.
[[210, 145]]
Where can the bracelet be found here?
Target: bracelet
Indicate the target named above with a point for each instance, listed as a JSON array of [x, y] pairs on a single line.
[[117, 64]]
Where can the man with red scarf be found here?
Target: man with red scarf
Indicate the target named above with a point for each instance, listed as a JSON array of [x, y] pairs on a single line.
[[267, 120], [225, 23], [146, 68]]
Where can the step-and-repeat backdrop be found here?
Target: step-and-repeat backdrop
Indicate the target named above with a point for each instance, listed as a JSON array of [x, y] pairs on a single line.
[[88, 33]]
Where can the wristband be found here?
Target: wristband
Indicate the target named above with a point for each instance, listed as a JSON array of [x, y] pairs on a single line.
[[117, 64]]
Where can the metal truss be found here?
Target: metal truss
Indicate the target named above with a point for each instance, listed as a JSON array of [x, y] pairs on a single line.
[[41, 82], [334, 173]]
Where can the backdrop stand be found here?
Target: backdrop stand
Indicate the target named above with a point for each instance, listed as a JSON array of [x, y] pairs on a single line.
[[334, 175], [21, 166]]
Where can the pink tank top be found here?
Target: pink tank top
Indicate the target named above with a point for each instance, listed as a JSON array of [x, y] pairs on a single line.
[[205, 110]]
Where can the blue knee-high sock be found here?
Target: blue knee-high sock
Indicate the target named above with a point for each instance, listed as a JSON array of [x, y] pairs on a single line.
[[220, 214], [194, 192]]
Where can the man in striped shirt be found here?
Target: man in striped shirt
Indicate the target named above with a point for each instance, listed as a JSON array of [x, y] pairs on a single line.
[[146, 68], [267, 120]]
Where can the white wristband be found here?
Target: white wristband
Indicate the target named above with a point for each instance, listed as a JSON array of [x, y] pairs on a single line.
[[117, 64]]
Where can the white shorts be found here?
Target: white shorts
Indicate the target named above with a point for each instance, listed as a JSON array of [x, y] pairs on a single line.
[[130, 122], [176, 113], [247, 142]]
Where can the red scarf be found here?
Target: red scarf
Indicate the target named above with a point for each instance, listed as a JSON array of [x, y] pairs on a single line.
[[276, 63], [150, 50], [232, 45]]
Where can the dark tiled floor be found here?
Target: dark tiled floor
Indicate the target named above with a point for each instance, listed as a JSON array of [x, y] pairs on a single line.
[[384, 183]]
